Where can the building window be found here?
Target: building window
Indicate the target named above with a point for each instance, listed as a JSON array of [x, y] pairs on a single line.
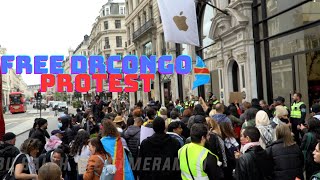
[[106, 25], [106, 42], [119, 41], [103, 13], [119, 54], [107, 11], [163, 44], [121, 10], [124, 10], [117, 24], [147, 49], [151, 12], [160, 19]]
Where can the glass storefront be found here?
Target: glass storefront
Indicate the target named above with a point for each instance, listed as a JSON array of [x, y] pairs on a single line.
[[287, 36]]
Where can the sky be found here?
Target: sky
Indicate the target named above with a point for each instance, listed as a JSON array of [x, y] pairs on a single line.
[[42, 27]]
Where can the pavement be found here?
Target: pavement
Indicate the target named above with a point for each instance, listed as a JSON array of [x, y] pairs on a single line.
[[21, 123]]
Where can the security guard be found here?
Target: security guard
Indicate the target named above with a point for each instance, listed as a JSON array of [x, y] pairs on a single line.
[[196, 161], [298, 115]]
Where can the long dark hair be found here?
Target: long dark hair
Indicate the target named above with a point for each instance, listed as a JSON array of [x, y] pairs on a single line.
[[80, 140], [198, 110], [314, 126], [226, 130], [66, 123]]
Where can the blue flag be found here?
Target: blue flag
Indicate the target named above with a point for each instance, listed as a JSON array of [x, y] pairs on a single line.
[[201, 72]]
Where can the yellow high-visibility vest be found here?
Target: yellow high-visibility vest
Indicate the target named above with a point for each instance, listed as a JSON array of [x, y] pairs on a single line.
[[196, 155], [295, 110]]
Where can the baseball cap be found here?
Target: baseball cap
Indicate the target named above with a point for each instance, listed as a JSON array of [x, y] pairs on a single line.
[[315, 108], [56, 132], [8, 136], [279, 98]]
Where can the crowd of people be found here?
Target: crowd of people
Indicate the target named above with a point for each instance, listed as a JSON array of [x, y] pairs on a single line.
[[189, 140]]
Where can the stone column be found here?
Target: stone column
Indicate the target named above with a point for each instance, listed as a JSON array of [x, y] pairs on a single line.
[[156, 87]]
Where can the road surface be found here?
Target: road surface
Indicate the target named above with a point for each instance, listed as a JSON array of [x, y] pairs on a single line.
[[21, 123]]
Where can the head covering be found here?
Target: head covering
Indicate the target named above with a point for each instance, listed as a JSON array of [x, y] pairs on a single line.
[[8, 136], [262, 118], [163, 111], [56, 132], [118, 119], [280, 99], [281, 111]]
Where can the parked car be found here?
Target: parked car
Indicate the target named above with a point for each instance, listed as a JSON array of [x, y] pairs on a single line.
[[62, 106]]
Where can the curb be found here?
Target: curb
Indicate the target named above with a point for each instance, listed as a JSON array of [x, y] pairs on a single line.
[[23, 132]]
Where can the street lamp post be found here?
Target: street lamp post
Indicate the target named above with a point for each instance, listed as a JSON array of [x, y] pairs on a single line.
[[2, 124]]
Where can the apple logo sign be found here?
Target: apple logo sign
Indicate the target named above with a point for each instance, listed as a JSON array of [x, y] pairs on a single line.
[[180, 22]]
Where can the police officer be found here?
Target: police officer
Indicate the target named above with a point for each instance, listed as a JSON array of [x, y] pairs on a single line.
[[196, 161], [215, 100], [298, 115]]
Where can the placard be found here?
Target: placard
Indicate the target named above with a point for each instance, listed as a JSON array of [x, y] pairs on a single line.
[[235, 96]]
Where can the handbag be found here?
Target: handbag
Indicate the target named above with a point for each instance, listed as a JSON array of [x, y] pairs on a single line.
[[108, 171], [10, 173]]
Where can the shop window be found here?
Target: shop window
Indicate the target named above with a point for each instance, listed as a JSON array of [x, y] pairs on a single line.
[[282, 79], [296, 42]]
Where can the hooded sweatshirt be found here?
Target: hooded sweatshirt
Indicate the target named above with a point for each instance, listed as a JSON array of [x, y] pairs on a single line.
[[52, 143], [266, 130], [221, 118]]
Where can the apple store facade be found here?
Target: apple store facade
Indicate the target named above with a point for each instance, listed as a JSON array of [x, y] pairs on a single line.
[[287, 46], [262, 48]]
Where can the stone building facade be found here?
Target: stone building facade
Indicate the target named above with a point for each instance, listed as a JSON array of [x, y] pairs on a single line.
[[108, 37]]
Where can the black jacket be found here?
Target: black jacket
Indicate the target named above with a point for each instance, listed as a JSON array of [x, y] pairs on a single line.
[[254, 164], [311, 166], [97, 110], [163, 148], [41, 136], [132, 136], [287, 161], [7, 152]]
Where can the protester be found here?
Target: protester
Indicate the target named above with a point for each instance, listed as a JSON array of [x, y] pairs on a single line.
[[254, 163], [54, 141], [265, 129], [24, 167], [113, 145], [50, 171], [96, 160], [8, 152], [159, 147], [287, 156]]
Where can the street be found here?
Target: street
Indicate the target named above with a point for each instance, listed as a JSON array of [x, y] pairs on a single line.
[[21, 123]]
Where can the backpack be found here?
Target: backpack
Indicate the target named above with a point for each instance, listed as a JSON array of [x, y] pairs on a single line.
[[108, 171], [316, 176]]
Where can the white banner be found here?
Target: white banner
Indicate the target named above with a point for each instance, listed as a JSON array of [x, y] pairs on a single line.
[[179, 21]]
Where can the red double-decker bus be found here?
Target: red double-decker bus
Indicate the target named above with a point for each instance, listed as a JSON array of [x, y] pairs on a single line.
[[17, 102]]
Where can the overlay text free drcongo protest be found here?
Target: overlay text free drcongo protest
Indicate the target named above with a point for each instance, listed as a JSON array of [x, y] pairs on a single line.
[[100, 69]]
